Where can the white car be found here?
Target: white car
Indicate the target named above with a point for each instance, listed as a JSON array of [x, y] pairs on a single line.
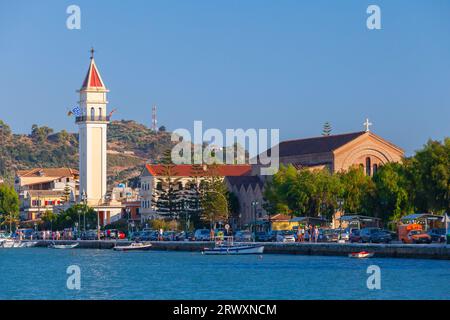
[[285, 236]]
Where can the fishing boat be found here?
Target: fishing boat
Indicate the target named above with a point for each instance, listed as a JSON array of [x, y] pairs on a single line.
[[134, 246], [63, 246], [362, 254], [226, 246]]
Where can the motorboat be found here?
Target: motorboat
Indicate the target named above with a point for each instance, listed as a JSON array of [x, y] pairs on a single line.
[[134, 246], [63, 246], [360, 255], [12, 243], [226, 246]]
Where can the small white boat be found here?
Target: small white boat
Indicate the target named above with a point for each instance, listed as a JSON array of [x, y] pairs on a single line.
[[134, 246], [360, 255], [63, 246], [226, 246]]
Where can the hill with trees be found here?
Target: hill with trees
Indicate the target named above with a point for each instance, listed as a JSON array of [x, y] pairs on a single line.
[[130, 146]]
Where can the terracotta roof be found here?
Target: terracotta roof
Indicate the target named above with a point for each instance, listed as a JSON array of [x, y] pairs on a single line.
[[245, 181], [48, 172], [317, 144], [93, 78], [186, 170], [280, 217]]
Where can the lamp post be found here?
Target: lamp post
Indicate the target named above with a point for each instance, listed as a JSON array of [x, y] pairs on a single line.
[[128, 221], [254, 204], [340, 203]]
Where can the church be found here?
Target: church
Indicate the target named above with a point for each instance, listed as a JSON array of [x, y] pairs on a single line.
[[334, 152]]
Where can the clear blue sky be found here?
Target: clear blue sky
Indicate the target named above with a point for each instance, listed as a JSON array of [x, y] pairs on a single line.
[[283, 64]]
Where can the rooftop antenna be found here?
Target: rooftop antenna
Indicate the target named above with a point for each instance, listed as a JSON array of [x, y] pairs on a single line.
[[154, 120]]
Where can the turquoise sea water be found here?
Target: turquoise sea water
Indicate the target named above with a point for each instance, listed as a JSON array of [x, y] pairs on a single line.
[[40, 273]]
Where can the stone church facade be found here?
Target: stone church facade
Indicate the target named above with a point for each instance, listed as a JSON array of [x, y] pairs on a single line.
[[334, 152]]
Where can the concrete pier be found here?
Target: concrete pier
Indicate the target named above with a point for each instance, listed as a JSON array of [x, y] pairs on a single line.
[[417, 251]]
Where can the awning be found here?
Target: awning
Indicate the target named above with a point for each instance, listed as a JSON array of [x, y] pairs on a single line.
[[417, 216]]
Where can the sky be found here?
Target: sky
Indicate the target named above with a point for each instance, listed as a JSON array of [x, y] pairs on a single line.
[[282, 64]]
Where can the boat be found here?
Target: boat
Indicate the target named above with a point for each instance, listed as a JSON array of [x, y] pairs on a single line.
[[362, 254], [134, 246], [63, 246], [226, 246], [12, 243]]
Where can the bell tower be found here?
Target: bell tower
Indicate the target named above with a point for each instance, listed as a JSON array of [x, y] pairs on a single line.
[[92, 123]]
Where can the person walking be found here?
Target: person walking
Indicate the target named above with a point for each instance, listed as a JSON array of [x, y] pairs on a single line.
[[316, 234], [310, 233]]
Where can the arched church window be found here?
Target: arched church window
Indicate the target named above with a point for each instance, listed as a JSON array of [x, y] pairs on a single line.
[[92, 114], [375, 168], [368, 166], [100, 115]]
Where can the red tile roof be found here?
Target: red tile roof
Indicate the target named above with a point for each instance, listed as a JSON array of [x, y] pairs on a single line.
[[186, 170], [92, 79]]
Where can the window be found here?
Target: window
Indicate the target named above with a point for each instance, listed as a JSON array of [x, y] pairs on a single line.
[[368, 166], [375, 168], [100, 113], [92, 114], [159, 186]]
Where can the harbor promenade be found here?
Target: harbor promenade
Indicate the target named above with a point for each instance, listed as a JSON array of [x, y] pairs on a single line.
[[416, 251]]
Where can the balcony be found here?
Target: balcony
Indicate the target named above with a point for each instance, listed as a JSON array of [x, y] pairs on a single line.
[[92, 119]]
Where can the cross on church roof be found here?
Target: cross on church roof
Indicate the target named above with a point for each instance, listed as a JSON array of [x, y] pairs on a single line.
[[367, 124], [92, 52]]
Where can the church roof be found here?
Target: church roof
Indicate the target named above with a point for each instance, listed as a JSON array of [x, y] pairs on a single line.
[[93, 80], [317, 144]]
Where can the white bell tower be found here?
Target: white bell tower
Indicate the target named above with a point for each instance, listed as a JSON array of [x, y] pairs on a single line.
[[92, 125]]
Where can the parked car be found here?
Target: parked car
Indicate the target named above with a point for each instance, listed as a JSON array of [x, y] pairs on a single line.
[[202, 235], [243, 236], [375, 235], [262, 236], [285, 236], [355, 236], [437, 234], [419, 236], [169, 236], [328, 235]]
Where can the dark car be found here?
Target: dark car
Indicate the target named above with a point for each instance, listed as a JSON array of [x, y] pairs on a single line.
[[328, 235], [375, 235], [437, 234], [355, 236], [263, 236]]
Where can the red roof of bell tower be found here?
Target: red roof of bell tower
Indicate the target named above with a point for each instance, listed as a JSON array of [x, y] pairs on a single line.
[[93, 78]]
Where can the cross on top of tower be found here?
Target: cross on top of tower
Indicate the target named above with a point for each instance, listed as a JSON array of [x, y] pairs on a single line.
[[92, 52], [367, 124]]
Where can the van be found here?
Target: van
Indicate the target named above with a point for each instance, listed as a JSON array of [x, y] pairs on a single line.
[[413, 233]]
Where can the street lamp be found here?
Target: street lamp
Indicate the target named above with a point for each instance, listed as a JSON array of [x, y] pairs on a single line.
[[254, 204], [128, 221]]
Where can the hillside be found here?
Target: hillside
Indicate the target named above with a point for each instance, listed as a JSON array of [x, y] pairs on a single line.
[[130, 145]]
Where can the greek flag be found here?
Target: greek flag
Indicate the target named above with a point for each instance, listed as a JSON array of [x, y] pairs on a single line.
[[77, 111]]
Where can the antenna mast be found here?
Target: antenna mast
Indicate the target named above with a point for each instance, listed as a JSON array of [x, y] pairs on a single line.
[[154, 120]]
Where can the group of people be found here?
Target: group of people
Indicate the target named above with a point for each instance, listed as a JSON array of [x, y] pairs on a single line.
[[308, 233]]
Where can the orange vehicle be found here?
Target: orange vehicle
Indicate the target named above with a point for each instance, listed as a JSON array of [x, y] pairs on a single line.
[[413, 233]]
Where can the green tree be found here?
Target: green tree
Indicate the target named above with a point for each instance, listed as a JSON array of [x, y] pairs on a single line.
[[9, 206], [357, 188], [431, 173], [214, 197], [66, 193], [48, 217], [168, 194], [392, 198]]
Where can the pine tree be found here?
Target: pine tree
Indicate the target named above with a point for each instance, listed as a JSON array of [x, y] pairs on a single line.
[[192, 197], [168, 196], [326, 129], [66, 194]]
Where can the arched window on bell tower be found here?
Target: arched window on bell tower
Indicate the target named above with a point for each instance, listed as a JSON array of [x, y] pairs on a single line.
[[368, 166], [100, 115], [92, 114]]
